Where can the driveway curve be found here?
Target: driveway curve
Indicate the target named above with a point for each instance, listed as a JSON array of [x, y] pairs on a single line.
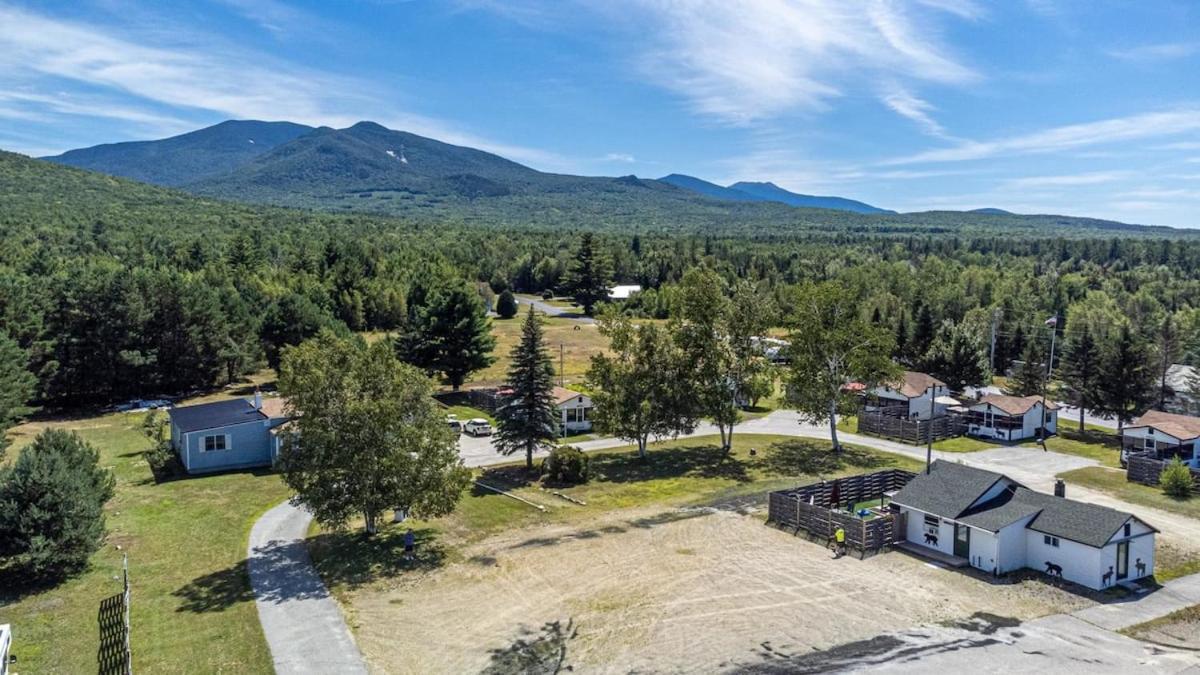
[[300, 619]]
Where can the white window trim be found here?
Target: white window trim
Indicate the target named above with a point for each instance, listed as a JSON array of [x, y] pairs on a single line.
[[227, 441]]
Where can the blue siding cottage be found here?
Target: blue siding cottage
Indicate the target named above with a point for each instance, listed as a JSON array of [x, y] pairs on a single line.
[[224, 435]]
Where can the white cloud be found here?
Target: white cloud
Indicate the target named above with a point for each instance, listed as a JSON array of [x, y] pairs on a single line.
[[619, 157], [1157, 52], [906, 104], [1065, 180], [195, 75], [1133, 127]]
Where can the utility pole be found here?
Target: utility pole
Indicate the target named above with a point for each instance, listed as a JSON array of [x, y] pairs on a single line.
[[992, 350], [1053, 323], [561, 361]]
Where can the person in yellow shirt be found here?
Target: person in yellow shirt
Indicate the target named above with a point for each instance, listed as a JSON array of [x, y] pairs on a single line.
[[839, 538]]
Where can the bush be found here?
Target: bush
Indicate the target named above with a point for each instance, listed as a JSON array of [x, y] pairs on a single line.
[[547, 294], [1176, 479], [566, 464], [506, 306], [52, 506]]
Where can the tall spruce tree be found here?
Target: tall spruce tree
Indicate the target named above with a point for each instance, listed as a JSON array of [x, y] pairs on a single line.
[[1169, 345], [589, 275], [1030, 376], [528, 418], [958, 356], [1080, 370], [52, 507], [1127, 387]]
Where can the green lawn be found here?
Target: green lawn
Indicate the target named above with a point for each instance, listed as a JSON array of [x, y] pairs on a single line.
[[466, 412], [186, 539], [578, 343], [1104, 446], [1113, 482], [677, 473]]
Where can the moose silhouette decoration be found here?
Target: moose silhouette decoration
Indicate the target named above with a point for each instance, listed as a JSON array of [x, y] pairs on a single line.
[[1053, 570], [1106, 578], [1141, 567], [931, 539]]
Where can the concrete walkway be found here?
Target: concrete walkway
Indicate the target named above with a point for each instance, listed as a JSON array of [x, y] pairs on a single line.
[[300, 619], [1174, 595]]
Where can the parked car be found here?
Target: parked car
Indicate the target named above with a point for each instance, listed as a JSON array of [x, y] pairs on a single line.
[[142, 405], [456, 425], [477, 427]]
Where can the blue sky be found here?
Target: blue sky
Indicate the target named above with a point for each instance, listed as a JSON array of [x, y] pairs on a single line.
[[1088, 108]]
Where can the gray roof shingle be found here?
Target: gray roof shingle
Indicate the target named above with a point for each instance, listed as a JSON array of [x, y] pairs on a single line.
[[951, 485], [215, 415], [947, 490]]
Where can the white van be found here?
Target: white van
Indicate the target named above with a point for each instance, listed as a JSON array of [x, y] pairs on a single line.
[[477, 427]]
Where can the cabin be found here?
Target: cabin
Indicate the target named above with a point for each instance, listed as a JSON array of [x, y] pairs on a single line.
[[574, 409], [909, 397], [1011, 418], [623, 291], [226, 435], [1163, 436], [968, 516]]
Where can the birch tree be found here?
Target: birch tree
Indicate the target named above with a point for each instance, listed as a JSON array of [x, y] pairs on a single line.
[[832, 345]]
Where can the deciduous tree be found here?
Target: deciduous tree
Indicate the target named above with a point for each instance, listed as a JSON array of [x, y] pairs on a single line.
[[366, 436], [831, 346]]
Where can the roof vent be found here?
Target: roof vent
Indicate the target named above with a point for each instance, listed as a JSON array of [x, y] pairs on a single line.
[[1060, 488]]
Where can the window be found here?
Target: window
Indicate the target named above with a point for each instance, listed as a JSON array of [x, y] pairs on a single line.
[[217, 442], [576, 414], [1128, 529], [932, 523], [1050, 541], [1148, 443]]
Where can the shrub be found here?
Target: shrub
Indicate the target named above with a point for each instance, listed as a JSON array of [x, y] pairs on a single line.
[[506, 306], [547, 294], [566, 464], [52, 506], [1176, 479]]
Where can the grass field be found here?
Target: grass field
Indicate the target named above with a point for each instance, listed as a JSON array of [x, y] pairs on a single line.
[[579, 341], [1114, 483], [186, 539], [677, 473]]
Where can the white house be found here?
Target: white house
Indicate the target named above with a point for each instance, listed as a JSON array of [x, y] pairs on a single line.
[[575, 410], [998, 525], [908, 397], [1164, 435], [1010, 418]]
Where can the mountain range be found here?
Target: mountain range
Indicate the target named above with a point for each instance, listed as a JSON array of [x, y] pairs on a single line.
[[369, 168]]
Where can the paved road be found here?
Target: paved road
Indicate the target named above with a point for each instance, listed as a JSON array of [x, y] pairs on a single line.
[[551, 310], [1068, 417], [301, 621]]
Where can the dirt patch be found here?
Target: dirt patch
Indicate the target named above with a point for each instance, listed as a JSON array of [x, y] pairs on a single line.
[[657, 592]]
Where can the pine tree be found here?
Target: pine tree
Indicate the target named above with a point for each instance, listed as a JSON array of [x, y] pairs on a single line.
[[528, 418], [1080, 370], [923, 333], [16, 386], [589, 276], [1031, 375], [1169, 346], [1127, 386], [52, 506], [447, 330], [958, 356]]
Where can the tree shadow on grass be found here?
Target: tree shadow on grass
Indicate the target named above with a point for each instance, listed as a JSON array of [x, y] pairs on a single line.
[[352, 559], [815, 458], [542, 652], [217, 591], [702, 461]]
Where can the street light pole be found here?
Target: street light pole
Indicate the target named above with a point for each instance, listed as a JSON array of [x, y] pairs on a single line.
[[929, 431], [1049, 373]]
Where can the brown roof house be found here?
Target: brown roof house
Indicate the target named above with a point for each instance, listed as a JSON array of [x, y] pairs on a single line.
[[1011, 418], [1163, 435], [908, 397], [575, 410]]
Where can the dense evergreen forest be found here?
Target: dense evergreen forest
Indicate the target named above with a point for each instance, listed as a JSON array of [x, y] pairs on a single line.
[[111, 289]]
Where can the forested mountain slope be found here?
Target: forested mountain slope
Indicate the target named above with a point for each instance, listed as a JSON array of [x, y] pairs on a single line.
[[188, 157]]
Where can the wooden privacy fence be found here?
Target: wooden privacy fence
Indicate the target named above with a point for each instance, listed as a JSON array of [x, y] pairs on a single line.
[[913, 432], [114, 656], [812, 509], [1145, 468]]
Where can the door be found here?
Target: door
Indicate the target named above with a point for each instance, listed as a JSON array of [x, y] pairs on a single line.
[[1123, 560], [962, 541]]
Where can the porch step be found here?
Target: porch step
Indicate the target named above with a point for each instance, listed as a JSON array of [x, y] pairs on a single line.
[[932, 554]]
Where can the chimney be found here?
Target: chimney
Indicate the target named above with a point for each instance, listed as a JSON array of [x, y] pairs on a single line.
[[1060, 488], [258, 402]]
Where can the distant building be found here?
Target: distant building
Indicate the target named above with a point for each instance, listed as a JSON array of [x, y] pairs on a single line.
[[225, 435], [1163, 436], [575, 410], [1179, 390], [1011, 418], [909, 397], [623, 292]]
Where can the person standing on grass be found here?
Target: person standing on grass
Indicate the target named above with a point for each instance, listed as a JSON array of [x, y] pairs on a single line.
[[410, 542]]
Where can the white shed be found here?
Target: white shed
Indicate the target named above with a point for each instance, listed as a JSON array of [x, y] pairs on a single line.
[[575, 410]]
